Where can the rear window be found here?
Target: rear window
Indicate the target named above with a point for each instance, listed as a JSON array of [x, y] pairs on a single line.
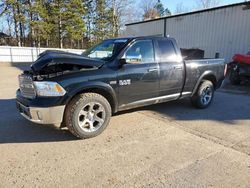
[[167, 51]]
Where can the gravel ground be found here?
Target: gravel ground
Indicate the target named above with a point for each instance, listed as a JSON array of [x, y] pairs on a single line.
[[165, 145]]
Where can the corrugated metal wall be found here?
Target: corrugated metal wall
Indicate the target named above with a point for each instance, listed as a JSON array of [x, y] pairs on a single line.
[[147, 28], [226, 31]]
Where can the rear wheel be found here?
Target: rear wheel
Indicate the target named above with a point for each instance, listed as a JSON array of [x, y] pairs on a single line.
[[204, 95], [87, 115]]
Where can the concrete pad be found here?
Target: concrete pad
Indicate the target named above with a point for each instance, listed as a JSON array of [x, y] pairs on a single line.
[[166, 145], [226, 121]]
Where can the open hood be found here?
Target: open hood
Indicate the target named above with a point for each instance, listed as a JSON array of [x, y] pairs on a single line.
[[59, 58]]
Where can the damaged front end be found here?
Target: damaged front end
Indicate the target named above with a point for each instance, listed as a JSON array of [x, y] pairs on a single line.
[[35, 85], [56, 63], [50, 64]]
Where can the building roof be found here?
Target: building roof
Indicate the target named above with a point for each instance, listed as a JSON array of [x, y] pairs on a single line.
[[193, 12]]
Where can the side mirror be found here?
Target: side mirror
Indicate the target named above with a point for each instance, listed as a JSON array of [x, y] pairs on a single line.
[[122, 62]]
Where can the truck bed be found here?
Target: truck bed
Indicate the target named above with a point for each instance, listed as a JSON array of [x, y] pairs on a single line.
[[196, 68]]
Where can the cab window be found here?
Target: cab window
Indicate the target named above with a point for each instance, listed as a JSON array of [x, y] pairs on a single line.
[[167, 50], [140, 52]]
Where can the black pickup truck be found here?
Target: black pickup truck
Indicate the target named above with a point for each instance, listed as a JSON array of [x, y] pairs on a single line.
[[81, 92]]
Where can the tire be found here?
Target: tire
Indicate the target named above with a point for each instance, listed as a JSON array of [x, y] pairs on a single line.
[[234, 77], [204, 95], [87, 115]]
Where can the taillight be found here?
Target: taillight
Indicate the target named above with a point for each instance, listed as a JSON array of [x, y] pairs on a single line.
[[225, 70]]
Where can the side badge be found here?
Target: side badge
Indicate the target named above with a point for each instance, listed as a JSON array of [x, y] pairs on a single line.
[[124, 82]]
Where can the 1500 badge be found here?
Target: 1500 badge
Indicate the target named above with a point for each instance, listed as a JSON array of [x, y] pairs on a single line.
[[124, 82]]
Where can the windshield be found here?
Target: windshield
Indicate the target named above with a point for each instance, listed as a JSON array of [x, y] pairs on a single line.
[[106, 49]]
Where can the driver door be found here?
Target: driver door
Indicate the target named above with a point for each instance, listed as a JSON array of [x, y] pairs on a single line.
[[138, 79]]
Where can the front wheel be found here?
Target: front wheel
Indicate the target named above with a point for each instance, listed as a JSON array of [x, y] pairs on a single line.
[[87, 115], [204, 95]]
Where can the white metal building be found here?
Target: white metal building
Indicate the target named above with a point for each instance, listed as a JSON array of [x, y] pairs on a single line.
[[224, 30]]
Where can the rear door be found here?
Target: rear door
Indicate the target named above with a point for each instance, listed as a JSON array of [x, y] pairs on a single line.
[[171, 68], [138, 79]]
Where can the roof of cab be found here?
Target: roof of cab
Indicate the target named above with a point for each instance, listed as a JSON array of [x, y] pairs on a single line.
[[140, 37]]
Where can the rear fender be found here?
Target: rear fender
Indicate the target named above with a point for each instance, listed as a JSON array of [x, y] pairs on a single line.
[[207, 75]]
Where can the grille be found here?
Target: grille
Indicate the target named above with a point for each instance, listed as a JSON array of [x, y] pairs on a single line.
[[26, 86]]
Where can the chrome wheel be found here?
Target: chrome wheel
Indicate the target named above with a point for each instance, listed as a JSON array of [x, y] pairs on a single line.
[[91, 117], [206, 95]]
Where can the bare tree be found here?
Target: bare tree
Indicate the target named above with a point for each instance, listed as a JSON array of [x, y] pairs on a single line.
[[207, 3], [130, 15], [180, 8], [151, 14], [3, 8], [147, 5], [9, 24], [148, 9], [123, 12]]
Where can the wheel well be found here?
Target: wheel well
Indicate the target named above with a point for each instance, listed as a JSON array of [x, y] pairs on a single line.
[[208, 77], [102, 92], [211, 78]]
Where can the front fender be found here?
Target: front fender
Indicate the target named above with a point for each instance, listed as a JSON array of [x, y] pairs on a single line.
[[78, 88]]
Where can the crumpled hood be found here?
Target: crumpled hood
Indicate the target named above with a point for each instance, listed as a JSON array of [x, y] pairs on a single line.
[[52, 57]]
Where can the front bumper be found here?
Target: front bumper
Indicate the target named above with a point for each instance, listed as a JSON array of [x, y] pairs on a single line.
[[45, 115]]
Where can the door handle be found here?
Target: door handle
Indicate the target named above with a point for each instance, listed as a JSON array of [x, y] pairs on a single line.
[[178, 67], [152, 70]]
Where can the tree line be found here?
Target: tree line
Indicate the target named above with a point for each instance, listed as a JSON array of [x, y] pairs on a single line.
[[60, 23], [73, 23]]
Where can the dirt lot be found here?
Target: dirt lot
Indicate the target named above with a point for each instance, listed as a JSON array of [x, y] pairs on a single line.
[[166, 145]]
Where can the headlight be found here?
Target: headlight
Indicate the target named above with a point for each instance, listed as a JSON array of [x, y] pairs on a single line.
[[49, 89]]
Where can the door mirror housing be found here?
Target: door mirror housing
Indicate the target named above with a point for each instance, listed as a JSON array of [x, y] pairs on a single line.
[[122, 61]]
